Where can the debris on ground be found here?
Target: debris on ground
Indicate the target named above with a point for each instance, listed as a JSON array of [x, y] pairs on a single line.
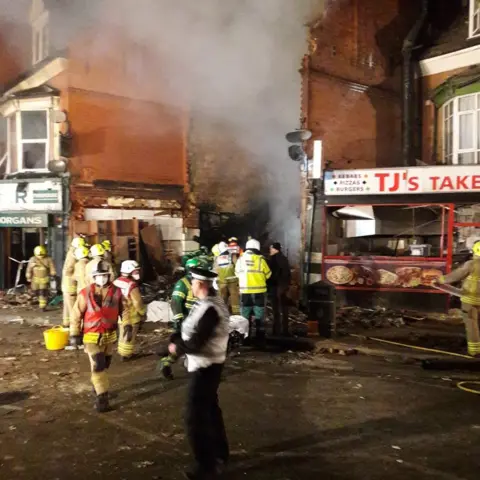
[[350, 318], [158, 311]]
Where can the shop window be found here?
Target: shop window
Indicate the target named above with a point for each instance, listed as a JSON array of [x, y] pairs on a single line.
[[461, 130], [474, 20]]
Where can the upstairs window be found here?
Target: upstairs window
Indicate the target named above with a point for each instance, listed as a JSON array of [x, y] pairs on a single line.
[[40, 38], [474, 19], [461, 130], [34, 139]]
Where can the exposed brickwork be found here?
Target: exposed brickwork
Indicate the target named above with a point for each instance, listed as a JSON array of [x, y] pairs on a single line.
[[354, 88]]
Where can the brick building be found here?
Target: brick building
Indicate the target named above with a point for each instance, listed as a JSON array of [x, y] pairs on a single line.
[[76, 98], [450, 86]]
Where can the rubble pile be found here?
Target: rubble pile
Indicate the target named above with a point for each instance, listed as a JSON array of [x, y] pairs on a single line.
[[352, 318], [17, 299]]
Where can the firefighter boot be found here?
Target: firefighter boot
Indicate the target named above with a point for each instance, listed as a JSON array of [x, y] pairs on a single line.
[[165, 366], [102, 404]]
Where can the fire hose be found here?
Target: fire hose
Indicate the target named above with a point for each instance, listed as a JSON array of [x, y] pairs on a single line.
[[460, 385]]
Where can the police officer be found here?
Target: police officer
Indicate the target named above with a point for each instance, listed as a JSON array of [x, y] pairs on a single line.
[[204, 339]]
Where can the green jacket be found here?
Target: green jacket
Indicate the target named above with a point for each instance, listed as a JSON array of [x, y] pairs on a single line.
[[182, 299]]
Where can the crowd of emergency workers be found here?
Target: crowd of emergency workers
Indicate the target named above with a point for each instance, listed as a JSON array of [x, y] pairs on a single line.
[[104, 312]]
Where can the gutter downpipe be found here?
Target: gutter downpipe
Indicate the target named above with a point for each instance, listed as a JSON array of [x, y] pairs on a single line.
[[311, 206], [408, 87]]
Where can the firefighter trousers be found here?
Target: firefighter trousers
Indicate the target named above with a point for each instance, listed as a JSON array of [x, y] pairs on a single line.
[[68, 303], [126, 348], [470, 318], [42, 296], [100, 357], [230, 293], [204, 419]]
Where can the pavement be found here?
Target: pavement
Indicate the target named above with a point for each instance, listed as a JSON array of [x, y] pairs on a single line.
[[289, 415]]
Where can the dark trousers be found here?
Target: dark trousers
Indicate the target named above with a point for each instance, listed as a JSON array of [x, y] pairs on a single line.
[[280, 311], [204, 420]]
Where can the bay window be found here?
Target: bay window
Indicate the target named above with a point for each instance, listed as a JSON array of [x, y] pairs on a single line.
[[461, 130]]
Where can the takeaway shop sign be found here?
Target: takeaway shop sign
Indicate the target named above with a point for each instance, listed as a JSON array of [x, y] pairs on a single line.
[[462, 178], [21, 196]]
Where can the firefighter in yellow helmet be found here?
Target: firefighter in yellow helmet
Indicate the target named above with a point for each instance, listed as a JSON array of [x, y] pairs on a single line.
[[80, 270], [97, 252], [108, 256], [69, 286], [133, 307], [469, 274], [39, 270]]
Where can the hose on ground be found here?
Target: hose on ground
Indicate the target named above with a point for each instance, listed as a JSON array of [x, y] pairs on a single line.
[[460, 385]]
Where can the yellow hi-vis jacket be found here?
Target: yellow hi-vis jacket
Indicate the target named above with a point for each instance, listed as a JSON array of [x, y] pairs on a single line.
[[253, 272]]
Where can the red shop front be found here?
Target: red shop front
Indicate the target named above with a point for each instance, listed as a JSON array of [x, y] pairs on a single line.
[[389, 233]]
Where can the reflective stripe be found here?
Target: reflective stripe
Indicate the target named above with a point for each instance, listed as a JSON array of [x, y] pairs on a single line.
[[100, 338], [179, 294], [178, 316]]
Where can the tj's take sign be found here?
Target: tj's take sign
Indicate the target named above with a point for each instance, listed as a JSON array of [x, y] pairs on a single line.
[[382, 181], [43, 196]]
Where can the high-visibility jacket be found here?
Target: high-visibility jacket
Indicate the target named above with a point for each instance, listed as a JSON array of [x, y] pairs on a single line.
[[224, 267], [133, 306], [234, 249], [69, 284], [253, 272], [182, 299], [469, 272]]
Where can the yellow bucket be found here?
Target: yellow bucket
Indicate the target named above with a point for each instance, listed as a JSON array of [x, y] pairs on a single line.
[[56, 338]]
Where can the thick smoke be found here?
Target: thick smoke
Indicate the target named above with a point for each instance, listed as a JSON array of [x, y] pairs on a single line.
[[238, 62]]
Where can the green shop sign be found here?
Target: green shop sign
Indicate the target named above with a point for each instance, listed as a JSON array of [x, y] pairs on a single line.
[[23, 220]]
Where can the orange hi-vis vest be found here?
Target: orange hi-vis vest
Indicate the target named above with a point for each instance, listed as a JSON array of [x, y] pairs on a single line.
[[104, 318]]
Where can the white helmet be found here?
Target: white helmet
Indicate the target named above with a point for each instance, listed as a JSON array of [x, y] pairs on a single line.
[[223, 247], [129, 266], [253, 245]]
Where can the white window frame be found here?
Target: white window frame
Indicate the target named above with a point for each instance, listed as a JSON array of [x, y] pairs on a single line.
[[456, 114], [474, 18], [21, 141], [40, 38]]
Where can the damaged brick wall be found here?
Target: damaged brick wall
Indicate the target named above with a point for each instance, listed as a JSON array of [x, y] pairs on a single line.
[[353, 97], [223, 175]]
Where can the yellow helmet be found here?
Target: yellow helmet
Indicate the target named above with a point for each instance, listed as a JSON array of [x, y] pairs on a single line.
[[476, 249], [97, 250], [40, 251], [78, 242], [216, 250], [107, 245], [81, 252]]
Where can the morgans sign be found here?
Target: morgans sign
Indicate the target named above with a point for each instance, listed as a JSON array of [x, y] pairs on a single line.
[[34, 220], [448, 179]]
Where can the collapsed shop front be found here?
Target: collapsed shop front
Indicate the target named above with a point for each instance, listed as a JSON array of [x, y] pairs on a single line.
[[31, 213], [387, 234]]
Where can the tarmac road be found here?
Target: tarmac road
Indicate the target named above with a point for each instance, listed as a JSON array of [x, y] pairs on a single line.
[[287, 416]]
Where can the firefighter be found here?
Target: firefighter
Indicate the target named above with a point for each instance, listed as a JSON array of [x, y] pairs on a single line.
[[469, 272], [253, 272], [234, 247], [224, 267], [97, 252], [108, 255], [134, 309], [182, 302], [80, 270], [39, 271], [95, 317], [69, 286]]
